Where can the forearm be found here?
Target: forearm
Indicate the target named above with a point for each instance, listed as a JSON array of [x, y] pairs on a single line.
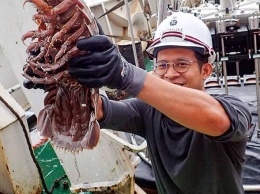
[[192, 108], [122, 115]]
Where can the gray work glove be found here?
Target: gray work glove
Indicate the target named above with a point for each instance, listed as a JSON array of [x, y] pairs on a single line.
[[103, 65]]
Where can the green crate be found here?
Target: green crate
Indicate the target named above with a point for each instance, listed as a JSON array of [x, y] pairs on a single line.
[[52, 169]]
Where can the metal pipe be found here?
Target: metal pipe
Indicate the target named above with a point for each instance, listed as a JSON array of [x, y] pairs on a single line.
[[131, 31], [107, 21], [175, 5], [240, 16], [225, 76], [227, 4], [237, 69], [247, 3], [156, 6], [257, 60], [251, 187], [224, 66], [161, 11], [235, 8], [14, 88], [217, 66]]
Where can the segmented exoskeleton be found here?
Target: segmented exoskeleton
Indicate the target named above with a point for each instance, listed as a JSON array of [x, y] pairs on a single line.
[[69, 113]]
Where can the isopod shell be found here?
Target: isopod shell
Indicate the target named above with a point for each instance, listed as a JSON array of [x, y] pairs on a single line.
[[68, 117]]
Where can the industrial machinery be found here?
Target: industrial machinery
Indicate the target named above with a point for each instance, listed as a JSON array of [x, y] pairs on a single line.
[[235, 29], [235, 32]]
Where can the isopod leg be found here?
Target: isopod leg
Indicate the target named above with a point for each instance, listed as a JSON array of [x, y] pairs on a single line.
[[69, 41], [90, 140], [44, 122]]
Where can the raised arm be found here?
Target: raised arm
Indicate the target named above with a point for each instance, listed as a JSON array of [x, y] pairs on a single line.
[[104, 66], [192, 108]]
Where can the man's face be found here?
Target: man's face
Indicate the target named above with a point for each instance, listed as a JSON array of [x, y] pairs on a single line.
[[193, 78]]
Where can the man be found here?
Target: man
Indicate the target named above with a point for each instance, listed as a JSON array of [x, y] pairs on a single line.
[[196, 141]]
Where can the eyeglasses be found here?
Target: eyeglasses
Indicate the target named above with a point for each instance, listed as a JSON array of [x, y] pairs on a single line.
[[180, 65]]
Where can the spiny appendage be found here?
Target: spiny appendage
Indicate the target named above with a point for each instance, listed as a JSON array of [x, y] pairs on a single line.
[[69, 114], [89, 141]]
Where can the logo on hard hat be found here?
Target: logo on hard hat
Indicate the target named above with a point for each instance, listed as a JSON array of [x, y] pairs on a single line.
[[173, 22]]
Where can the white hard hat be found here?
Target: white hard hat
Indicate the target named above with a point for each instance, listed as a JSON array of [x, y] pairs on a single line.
[[183, 30]]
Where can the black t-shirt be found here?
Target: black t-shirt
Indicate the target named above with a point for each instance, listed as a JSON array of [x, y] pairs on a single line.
[[183, 160]]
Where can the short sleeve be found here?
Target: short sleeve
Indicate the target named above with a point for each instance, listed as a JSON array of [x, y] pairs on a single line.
[[239, 115]]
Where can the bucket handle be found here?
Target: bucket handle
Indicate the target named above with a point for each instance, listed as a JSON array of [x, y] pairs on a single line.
[[126, 145]]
